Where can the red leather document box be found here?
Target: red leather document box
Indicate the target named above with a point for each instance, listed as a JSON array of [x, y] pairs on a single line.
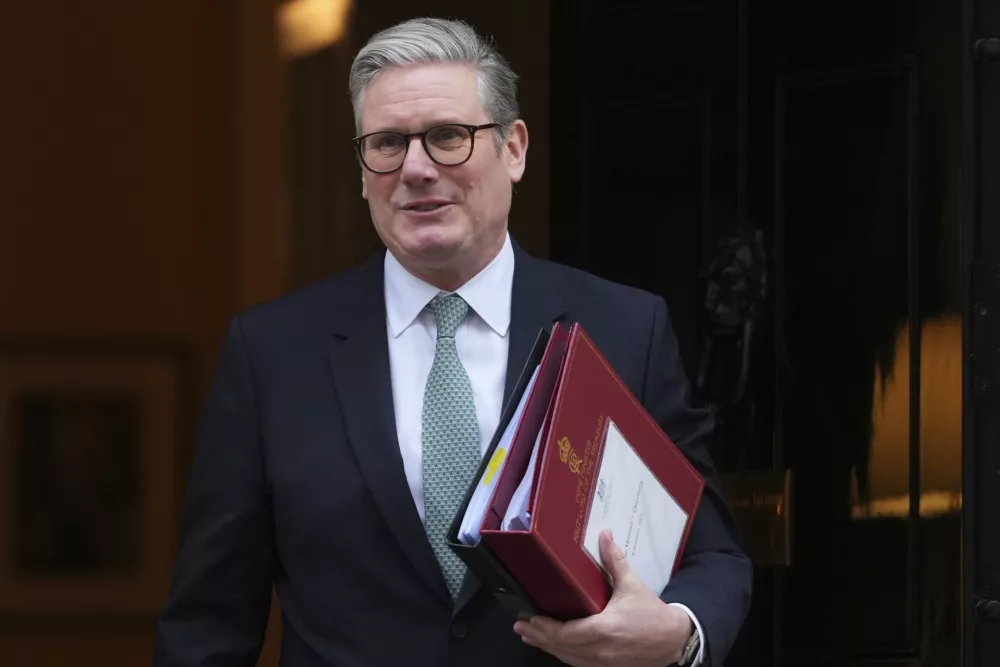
[[601, 459]]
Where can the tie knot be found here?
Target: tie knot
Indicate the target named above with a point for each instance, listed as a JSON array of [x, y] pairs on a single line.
[[449, 311]]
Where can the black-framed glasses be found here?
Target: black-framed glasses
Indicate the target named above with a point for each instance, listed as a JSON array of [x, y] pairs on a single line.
[[449, 145]]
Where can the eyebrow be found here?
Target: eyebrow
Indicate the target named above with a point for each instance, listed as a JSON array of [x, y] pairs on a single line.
[[449, 120]]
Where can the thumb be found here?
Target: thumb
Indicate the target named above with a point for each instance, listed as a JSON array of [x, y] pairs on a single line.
[[613, 557]]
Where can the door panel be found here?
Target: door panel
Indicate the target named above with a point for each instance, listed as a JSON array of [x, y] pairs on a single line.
[[635, 236], [635, 174], [847, 226]]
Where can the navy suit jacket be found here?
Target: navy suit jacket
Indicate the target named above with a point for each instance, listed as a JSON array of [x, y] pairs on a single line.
[[298, 483]]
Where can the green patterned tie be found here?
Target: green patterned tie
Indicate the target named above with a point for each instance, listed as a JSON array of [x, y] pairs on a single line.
[[450, 437]]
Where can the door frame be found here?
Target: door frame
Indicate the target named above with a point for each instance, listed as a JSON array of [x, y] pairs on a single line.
[[981, 271]]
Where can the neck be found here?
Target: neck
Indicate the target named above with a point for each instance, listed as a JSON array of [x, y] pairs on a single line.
[[450, 278], [446, 281]]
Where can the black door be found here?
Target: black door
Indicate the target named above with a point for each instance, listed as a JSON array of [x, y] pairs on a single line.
[[982, 540], [794, 177]]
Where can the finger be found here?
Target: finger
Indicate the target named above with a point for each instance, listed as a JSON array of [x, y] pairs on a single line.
[[545, 622], [540, 630], [536, 638], [571, 636], [614, 560], [547, 627], [524, 629], [583, 632]]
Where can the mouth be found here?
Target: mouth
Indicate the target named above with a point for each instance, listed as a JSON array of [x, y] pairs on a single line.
[[426, 206]]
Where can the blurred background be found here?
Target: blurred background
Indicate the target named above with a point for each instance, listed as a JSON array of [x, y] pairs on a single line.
[[799, 180], [165, 165]]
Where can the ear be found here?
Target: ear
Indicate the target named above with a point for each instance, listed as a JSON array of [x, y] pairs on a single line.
[[364, 185], [516, 152]]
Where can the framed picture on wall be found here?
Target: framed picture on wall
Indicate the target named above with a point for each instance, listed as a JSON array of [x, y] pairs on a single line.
[[89, 436]]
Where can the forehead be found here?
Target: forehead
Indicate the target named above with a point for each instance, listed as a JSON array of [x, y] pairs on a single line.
[[411, 98]]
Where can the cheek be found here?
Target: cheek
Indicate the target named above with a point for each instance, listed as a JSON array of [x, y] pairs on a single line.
[[492, 189], [476, 200], [379, 193], [475, 188]]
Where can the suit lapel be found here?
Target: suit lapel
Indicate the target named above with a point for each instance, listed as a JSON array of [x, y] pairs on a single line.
[[534, 305], [360, 360]]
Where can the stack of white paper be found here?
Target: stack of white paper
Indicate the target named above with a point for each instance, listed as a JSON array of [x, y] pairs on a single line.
[[468, 533], [517, 516]]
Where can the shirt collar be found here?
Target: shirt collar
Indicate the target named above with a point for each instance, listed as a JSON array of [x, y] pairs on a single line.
[[488, 293]]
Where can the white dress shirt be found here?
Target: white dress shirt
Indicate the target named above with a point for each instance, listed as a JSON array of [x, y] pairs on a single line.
[[482, 341]]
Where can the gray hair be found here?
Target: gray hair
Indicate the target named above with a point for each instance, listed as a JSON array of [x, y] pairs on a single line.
[[432, 40]]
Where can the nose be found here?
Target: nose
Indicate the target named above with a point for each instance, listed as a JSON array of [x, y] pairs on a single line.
[[417, 167]]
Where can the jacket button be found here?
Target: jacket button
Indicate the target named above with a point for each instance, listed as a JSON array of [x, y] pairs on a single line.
[[459, 630]]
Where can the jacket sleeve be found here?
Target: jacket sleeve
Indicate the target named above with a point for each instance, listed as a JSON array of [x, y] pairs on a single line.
[[220, 592], [715, 579]]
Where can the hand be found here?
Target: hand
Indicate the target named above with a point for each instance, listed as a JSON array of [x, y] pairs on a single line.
[[636, 628]]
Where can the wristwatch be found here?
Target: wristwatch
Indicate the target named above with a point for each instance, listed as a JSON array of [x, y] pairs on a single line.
[[690, 649]]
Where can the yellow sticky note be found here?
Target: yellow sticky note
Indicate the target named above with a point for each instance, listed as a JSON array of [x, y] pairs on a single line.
[[494, 465]]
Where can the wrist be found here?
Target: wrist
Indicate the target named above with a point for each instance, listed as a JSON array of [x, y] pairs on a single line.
[[676, 628], [691, 651]]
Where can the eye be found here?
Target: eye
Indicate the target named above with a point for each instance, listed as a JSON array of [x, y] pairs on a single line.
[[446, 134], [385, 142], [449, 136]]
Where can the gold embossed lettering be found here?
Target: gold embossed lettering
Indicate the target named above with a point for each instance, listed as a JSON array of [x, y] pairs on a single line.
[[564, 449], [574, 463]]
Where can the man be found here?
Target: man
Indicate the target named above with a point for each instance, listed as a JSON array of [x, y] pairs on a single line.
[[345, 420]]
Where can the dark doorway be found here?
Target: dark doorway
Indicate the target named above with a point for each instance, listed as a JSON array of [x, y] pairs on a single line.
[[794, 178]]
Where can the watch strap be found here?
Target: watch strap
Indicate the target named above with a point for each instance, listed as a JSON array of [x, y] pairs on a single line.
[[690, 648]]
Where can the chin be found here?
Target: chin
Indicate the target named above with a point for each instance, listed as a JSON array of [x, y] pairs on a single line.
[[433, 241], [433, 251]]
